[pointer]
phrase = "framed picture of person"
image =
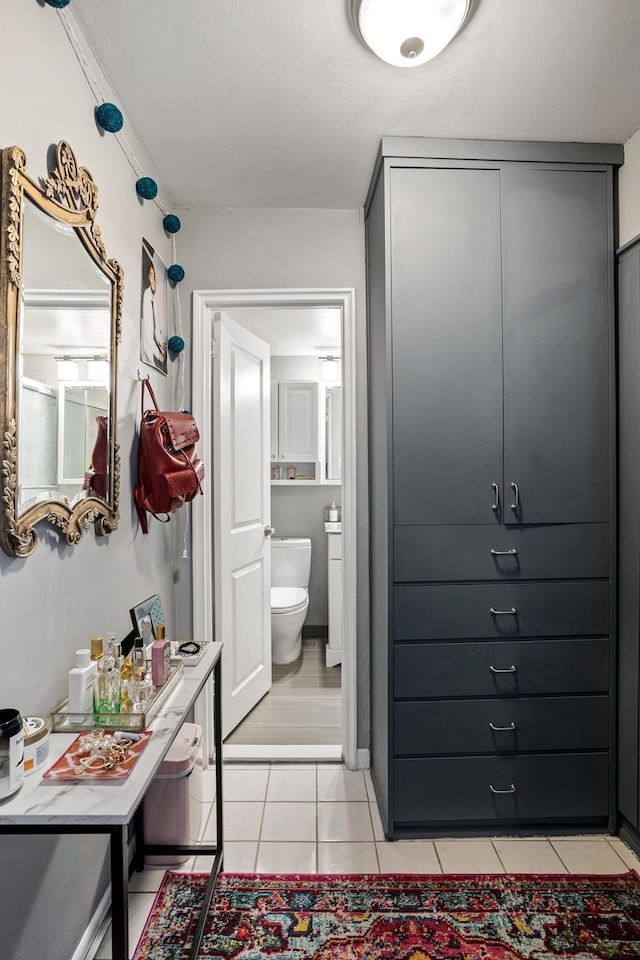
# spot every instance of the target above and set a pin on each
(154, 310)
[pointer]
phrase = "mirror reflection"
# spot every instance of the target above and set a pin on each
(63, 366)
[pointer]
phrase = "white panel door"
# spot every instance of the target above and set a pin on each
(242, 513)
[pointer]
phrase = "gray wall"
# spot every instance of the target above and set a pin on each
(266, 248)
(54, 601)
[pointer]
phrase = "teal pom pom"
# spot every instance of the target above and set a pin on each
(109, 117)
(171, 223)
(58, 3)
(175, 272)
(175, 344)
(146, 188)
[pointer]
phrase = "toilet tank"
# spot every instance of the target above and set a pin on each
(290, 561)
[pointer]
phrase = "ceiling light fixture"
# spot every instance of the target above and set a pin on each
(406, 33)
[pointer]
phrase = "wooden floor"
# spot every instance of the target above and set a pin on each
(303, 705)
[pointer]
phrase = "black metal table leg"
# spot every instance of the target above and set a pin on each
(138, 829)
(119, 894)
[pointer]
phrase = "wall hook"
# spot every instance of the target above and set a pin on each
(142, 377)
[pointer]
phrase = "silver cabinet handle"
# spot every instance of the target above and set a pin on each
(496, 496)
(516, 491)
(282, 456)
(269, 532)
(273, 456)
(504, 553)
(503, 613)
(510, 669)
(508, 729)
(512, 789)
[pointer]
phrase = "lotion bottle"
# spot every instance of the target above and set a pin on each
(81, 680)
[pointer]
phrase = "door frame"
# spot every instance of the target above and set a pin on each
(205, 302)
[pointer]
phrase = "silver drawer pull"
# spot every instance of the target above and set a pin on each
(510, 669)
(516, 499)
(504, 553)
(508, 729)
(512, 789)
(496, 496)
(503, 613)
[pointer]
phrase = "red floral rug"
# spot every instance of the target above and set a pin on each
(398, 917)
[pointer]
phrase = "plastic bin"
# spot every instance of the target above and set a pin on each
(172, 805)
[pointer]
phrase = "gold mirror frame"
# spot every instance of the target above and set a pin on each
(70, 196)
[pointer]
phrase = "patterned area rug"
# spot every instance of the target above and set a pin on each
(396, 917)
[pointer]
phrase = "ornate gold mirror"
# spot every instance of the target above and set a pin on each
(60, 325)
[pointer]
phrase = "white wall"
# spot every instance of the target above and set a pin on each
(52, 602)
(629, 191)
(257, 248)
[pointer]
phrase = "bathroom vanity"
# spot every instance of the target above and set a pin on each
(334, 578)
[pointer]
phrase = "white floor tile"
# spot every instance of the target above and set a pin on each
(347, 858)
(289, 857)
(208, 785)
(468, 856)
(529, 856)
(245, 784)
(241, 822)
(289, 822)
(378, 829)
(292, 784)
(408, 856)
(139, 906)
(239, 857)
(348, 821)
(626, 855)
(587, 856)
(338, 783)
(149, 880)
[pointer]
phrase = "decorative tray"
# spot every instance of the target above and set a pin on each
(64, 722)
(98, 755)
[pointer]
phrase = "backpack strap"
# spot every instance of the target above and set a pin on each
(147, 385)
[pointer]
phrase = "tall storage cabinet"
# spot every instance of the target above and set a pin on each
(491, 375)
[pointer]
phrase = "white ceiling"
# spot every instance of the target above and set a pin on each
(293, 331)
(277, 103)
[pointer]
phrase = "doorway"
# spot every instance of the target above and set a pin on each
(206, 303)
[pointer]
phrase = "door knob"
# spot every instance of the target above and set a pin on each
(269, 531)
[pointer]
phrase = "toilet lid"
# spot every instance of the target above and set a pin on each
(287, 598)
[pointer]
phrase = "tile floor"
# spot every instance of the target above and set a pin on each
(322, 818)
(303, 706)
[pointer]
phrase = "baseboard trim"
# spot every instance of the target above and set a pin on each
(289, 753)
(363, 760)
(96, 929)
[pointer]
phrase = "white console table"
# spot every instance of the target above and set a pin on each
(54, 806)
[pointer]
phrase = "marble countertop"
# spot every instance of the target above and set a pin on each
(334, 526)
(103, 803)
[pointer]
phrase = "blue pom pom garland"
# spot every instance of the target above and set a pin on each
(58, 3)
(175, 344)
(146, 188)
(109, 117)
(171, 223)
(175, 273)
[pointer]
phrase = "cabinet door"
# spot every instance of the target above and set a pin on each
(298, 420)
(447, 344)
(556, 345)
(273, 440)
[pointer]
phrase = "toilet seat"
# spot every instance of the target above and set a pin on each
(288, 599)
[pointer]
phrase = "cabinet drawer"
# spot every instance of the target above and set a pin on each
(460, 611)
(534, 725)
(568, 786)
(464, 669)
(463, 552)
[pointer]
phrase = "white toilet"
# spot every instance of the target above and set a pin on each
(290, 569)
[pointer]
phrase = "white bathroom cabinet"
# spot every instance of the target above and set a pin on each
(297, 437)
(334, 554)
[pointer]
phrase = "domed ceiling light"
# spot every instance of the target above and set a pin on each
(406, 33)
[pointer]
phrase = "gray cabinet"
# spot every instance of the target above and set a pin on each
(491, 470)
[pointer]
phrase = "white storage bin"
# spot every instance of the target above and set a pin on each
(172, 806)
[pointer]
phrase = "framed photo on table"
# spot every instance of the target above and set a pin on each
(150, 611)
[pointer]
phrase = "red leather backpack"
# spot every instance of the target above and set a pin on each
(169, 471)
